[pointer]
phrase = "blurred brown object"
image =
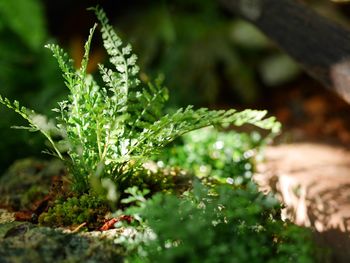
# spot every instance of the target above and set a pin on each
(317, 43)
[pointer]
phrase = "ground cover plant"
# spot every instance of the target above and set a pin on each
(218, 225)
(110, 134)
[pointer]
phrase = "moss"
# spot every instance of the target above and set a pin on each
(88, 208)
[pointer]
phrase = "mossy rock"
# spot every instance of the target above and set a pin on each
(27, 243)
(27, 181)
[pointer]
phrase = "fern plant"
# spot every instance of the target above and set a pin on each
(109, 130)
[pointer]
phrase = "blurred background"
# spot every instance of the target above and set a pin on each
(208, 57)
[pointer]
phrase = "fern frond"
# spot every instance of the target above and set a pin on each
(66, 65)
(15, 106)
(147, 105)
(120, 56)
(256, 118)
(85, 60)
(112, 81)
(170, 127)
(36, 122)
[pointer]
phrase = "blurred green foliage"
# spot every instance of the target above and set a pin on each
(208, 57)
(225, 157)
(27, 72)
(14, 15)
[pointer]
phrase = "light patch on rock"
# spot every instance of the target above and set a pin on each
(6, 216)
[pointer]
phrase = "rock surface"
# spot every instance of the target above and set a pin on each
(27, 181)
(25, 242)
(313, 181)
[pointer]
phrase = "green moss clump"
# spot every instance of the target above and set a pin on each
(87, 208)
